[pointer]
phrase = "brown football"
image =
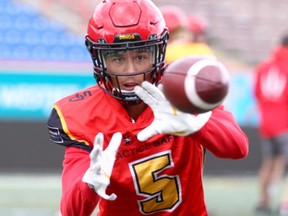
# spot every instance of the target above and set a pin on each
(196, 84)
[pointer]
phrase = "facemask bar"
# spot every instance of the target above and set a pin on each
(128, 58)
(102, 75)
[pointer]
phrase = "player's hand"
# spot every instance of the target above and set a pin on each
(101, 165)
(166, 118)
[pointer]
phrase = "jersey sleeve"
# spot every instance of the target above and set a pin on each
(256, 82)
(59, 136)
(223, 137)
(77, 198)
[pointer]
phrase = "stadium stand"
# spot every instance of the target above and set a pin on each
(244, 29)
(25, 34)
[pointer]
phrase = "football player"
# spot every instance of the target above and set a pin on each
(270, 91)
(187, 34)
(126, 149)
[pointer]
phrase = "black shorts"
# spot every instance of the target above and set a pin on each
(275, 146)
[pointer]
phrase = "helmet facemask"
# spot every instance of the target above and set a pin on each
(145, 57)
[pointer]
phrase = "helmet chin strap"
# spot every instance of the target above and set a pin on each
(125, 91)
(128, 97)
(117, 90)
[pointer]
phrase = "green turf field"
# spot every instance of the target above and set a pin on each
(31, 195)
(38, 195)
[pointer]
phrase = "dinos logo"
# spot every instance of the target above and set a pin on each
(127, 37)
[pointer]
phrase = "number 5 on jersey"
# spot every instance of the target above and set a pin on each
(162, 191)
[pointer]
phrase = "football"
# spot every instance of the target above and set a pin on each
(196, 84)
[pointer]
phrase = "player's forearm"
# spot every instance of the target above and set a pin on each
(77, 198)
(223, 137)
(80, 200)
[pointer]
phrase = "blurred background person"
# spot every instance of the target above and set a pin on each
(187, 34)
(175, 19)
(198, 26)
(271, 92)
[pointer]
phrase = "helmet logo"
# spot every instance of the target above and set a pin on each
(126, 37)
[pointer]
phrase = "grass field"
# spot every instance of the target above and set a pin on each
(38, 195)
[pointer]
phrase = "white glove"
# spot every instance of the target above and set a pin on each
(166, 118)
(101, 165)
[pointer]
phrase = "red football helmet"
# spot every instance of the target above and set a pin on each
(197, 24)
(174, 17)
(126, 26)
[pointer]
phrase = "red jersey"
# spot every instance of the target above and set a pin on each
(271, 90)
(161, 176)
